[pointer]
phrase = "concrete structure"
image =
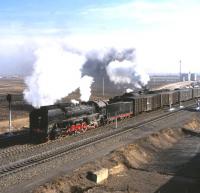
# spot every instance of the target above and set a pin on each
(98, 176)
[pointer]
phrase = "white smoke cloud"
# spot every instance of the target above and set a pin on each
(56, 74)
(143, 76)
(54, 67)
(128, 90)
(85, 87)
(122, 72)
(74, 101)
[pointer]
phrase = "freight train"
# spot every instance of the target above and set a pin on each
(50, 122)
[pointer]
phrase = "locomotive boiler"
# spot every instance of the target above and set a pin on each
(49, 122)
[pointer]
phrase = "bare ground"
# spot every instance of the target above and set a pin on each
(11, 85)
(17, 124)
(166, 161)
(163, 162)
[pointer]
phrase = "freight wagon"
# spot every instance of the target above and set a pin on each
(156, 101)
(185, 94)
(169, 98)
(143, 103)
(196, 92)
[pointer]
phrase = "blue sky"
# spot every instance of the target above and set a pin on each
(62, 16)
(162, 32)
(36, 16)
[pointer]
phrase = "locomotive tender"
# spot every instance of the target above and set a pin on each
(50, 122)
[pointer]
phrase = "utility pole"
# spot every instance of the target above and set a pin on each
(9, 99)
(116, 122)
(170, 105)
(180, 70)
(103, 86)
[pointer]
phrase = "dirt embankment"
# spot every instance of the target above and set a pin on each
(194, 125)
(120, 163)
(143, 151)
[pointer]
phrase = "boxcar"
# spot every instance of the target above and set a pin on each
(143, 103)
(196, 92)
(169, 98)
(156, 101)
(148, 102)
(185, 94)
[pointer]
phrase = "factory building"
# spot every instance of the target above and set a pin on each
(188, 76)
(159, 80)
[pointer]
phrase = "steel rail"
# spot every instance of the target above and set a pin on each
(66, 149)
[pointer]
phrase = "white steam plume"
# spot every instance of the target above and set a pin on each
(128, 90)
(120, 72)
(85, 87)
(56, 74)
(74, 101)
(118, 63)
(125, 71)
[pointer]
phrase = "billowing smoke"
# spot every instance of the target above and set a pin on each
(56, 73)
(118, 64)
(53, 69)
(122, 72)
(85, 87)
(74, 101)
(128, 90)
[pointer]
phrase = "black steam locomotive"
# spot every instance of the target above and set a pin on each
(50, 122)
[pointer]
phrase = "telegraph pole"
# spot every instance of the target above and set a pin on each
(103, 86)
(9, 99)
(116, 122)
(180, 70)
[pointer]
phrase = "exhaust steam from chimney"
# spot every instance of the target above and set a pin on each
(58, 71)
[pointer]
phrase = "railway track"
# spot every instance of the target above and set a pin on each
(15, 138)
(65, 149)
(14, 153)
(8, 153)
